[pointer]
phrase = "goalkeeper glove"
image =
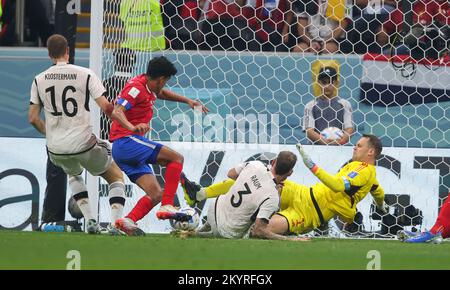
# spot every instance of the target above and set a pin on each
(306, 159)
(384, 208)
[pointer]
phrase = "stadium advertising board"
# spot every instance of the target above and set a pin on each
(415, 173)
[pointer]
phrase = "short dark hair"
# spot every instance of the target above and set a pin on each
(375, 143)
(160, 67)
(56, 46)
(285, 162)
(125, 59)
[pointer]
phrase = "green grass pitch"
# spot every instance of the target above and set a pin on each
(36, 250)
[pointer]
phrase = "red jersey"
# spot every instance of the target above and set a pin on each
(223, 9)
(266, 17)
(138, 101)
(425, 12)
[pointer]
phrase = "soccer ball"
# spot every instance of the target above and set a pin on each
(332, 133)
(190, 225)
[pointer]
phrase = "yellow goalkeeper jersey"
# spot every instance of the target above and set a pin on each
(359, 179)
(356, 179)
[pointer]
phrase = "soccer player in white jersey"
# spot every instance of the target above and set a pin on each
(63, 91)
(249, 204)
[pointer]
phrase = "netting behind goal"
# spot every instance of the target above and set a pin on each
(257, 77)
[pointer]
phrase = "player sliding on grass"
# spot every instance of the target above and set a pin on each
(304, 208)
(63, 91)
(440, 230)
(133, 152)
(252, 200)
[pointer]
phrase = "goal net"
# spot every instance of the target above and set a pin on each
(261, 67)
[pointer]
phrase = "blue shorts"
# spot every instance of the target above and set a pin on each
(133, 154)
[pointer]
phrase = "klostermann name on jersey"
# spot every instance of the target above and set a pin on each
(64, 90)
(138, 101)
(253, 195)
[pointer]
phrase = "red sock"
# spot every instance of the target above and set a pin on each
(142, 207)
(172, 178)
(443, 221)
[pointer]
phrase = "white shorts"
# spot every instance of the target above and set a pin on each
(216, 229)
(96, 160)
(212, 218)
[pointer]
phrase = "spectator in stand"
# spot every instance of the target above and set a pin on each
(180, 19)
(302, 10)
(272, 24)
(322, 32)
(328, 110)
(226, 26)
(427, 16)
(368, 15)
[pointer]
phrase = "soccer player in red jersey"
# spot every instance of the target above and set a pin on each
(440, 230)
(133, 152)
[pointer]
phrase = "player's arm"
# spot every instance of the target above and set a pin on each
(118, 114)
(377, 193)
(105, 105)
(98, 91)
(261, 231)
(34, 110)
(34, 117)
(334, 183)
(168, 95)
(234, 172)
(345, 184)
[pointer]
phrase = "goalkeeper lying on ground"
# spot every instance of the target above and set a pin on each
(304, 208)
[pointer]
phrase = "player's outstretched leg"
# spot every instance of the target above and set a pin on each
(174, 165)
(426, 237)
(114, 177)
(129, 227)
(194, 193)
(442, 224)
(149, 184)
(440, 230)
(190, 189)
(80, 195)
(404, 235)
(94, 228)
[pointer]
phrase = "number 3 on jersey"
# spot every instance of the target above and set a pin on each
(240, 193)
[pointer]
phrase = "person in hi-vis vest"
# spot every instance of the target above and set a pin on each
(143, 25)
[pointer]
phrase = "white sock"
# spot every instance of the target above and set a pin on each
(80, 194)
(85, 208)
(116, 200)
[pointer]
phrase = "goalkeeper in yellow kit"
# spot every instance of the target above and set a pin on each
(304, 208)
